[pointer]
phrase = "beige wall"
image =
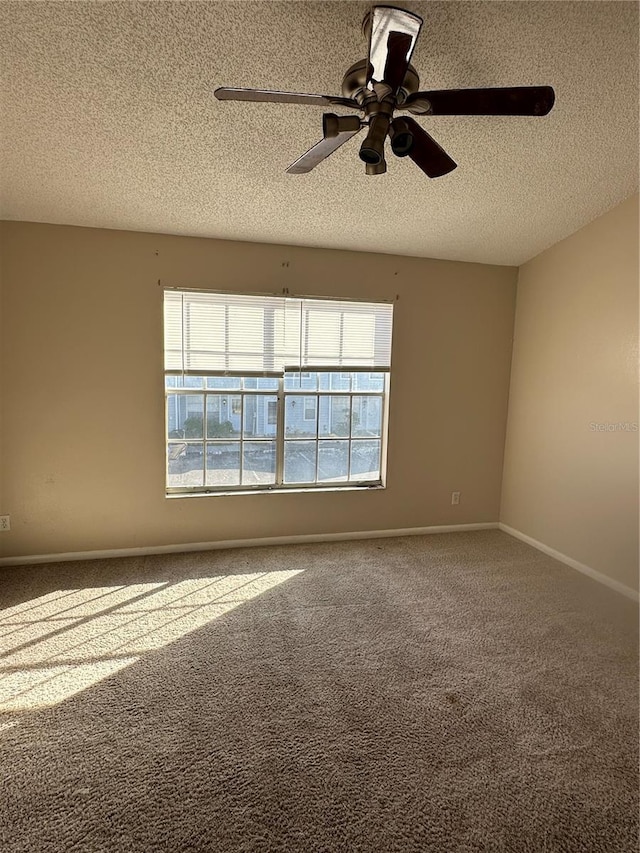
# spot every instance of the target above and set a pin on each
(575, 363)
(82, 464)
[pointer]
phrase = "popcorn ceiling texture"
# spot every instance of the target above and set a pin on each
(456, 693)
(108, 120)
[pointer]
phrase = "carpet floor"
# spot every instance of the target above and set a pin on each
(454, 693)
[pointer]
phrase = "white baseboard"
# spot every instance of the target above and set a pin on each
(569, 561)
(243, 543)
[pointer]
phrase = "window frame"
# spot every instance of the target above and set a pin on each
(364, 350)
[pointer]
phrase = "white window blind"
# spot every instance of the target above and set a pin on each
(220, 332)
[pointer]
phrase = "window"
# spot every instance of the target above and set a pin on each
(266, 392)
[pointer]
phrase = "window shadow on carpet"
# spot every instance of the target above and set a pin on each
(55, 646)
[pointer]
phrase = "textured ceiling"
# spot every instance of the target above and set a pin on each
(108, 120)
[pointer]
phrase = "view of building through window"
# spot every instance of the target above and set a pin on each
(223, 431)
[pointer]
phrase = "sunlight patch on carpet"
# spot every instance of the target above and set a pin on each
(58, 645)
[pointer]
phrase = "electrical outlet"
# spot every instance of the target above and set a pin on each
(455, 498)
(5, 523)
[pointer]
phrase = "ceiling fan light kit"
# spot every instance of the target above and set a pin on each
(386, 82)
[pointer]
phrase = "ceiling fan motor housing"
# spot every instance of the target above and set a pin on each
(354, 83)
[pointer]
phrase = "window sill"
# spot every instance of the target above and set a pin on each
(292, 491)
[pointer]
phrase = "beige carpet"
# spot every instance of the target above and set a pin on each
(449, 693)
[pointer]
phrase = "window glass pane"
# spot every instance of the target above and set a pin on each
(185, 415)
(300, 381)
(368, 382)
(258, 462)
(333, 461)
(223, 415)
(365, 460)
(184, 381)
(341, 381)
(231, 383)
(184, 464)
(299, 461)
(192, 381)
(294, 418)
(310, 408)
(223, 464)
(260, 415)
(333, 418)
(173, 417)
(334, 381)
(366, 416)
(261, 383)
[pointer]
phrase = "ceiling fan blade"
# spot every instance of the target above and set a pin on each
(409, 139)
(512, 101)
(273, 97)
(393, 37)
(336, 131)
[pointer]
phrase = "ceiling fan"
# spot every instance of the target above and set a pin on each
(386, 82)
